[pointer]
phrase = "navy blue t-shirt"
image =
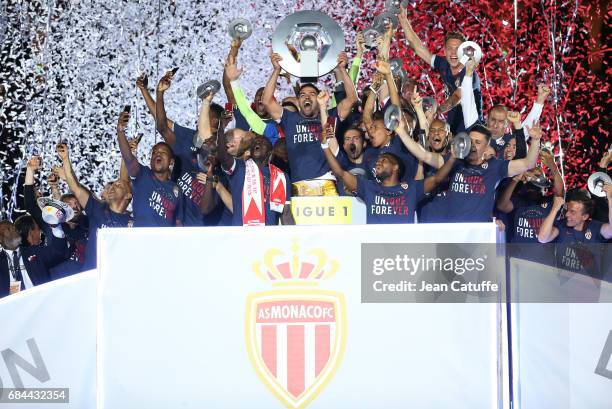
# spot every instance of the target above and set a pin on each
(237, 177)
(432, 209)
(580, 251)
(156, 203)
(390, 204)
(471, 193)
(191, 189)
(101, 217)
(303, 136)
(451, 83)
(347, 165)
(527, 219)
(396, 147)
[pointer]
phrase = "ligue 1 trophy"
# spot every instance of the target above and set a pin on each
(548, 146)
(240, 28)
(53, 211)
(540, 181)
(596, 183)
(316, 39)
(467, 50)
(397, 69)
(461, 145)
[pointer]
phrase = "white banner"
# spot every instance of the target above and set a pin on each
(213, 318)
(48, 340)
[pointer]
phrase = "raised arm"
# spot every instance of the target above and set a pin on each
(504, 201)
(413, 40)
(76, 188)
(384, 69)
(223, 157)
(232, 72)
(349, 180)
(549, 161)
(468, 102)
(232, 58)
(538, 106)
(142, 83)
(323, 100)
(356, 63)
(417, 103)
(514, 117)
(161, 121)
(267, 98)
(131, 163)
(345, 107)
(29, 196)
(433, 159)
(368, 109)
(123, 172)
(440, 176)
(517, 166)
(548, 232)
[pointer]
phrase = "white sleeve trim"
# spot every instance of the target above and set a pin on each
(433, 59)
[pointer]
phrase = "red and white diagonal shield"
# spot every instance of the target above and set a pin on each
(295, 341)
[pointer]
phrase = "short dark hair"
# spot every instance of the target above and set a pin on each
(400, 164)
(482, 130)
(67, 196)
(357, 129)
(24, 225)
(167, 145)
(454, 35)
(216, 109)
(584, 197)
(307, 84)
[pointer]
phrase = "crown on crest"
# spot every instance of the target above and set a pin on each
(295, 268)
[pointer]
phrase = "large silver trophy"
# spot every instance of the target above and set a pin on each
(596, 183)
(467, 50)
(240, 28)
(317, 40)
(461, 144)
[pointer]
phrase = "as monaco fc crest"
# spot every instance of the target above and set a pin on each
(296, 332)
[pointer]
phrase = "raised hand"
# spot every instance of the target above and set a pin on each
(547, 159)
(342, 61)
(232, 71)
(323, 98)
(535, 131)
(543, 92)
(275, 58)
(383, 67)
(558, 203)
(142, 82)
(328, 133)
(416, 101)
(34, 163)
(201, 177)
(470, 66)
(59, 172)
(608, 189)
(62, 151)
(605, 160)
(124, 118)
(360, 44)
(165, 82)
(515, 118)
(134, 143)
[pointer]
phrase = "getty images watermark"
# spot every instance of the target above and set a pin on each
(442, 273)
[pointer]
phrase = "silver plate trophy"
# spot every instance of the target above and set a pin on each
(461, 145)
(541, 182)
(317, 38)
(393, 6)
(467, 50)
(204, 90)
(596, 183)
(397, 69)
(393, 116)
(385, 18)
(240, 28)
(370, 35)
(429, 104)
(54, 211)
(548, 146)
